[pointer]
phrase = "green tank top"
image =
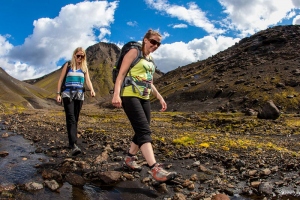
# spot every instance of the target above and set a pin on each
(143, 73)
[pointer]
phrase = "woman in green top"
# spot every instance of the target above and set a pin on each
(135, 100)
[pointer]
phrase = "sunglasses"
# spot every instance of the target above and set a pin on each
(79, 56)
(154, 42)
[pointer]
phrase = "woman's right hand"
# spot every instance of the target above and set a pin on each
(116, 101)
(58, 98)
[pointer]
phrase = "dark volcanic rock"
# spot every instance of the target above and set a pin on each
(258, 67)
(75, 179)
(269, 111)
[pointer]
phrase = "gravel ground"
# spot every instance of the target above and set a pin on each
(213, 153)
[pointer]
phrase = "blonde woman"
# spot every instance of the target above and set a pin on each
(72, 96)
(136, 104)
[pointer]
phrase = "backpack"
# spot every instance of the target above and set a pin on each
(63, 84)
(124, 50)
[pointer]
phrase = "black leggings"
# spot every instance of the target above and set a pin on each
(138, 113)
(72, 110)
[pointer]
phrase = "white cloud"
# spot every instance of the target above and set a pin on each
(5, 46)
(296, 20)
(180, 26)
(170, 56)
(103, 33)
(55, 39)
(193, 15)
(165, 35)
(16, 70)
(296, 3)
(20, 70)
(134, 23)
(249, 17)
(290, 15)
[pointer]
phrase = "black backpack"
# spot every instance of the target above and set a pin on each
(124, 50)
(63, 84)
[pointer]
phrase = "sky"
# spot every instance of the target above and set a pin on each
(38, 36)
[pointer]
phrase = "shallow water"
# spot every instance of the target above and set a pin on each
(18, 168)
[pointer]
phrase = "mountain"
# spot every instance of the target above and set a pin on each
(262, 67)
(259, 68)
(19, 95)
(101, 58)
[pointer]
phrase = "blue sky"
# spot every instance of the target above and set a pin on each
(37, 36)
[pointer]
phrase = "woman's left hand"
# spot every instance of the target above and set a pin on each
(163, 105)
(93, 93)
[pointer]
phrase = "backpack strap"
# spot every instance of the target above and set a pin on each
(137, 59)
(63, 87)
(134, 62)
(129, 80)
(140, 55)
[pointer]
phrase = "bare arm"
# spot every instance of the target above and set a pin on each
(127, 60)
(159, 97)
(60, 80)
(89, 83)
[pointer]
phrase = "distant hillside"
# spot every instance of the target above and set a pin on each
(259, 68)
(47, 82)
(19, 95)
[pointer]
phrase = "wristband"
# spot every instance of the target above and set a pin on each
(57, 92)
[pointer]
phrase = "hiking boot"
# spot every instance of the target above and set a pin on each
(76, 150)
(161, 175)
(130, 163)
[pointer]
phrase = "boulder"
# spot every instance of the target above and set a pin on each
(269, 111)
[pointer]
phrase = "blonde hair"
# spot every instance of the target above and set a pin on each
(83, 63)
(148, 35)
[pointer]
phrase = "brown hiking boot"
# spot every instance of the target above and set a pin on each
(130, 162)
(161, 175)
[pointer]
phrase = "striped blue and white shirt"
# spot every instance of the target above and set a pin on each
(74, 84)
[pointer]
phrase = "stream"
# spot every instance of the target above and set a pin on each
(18, 168)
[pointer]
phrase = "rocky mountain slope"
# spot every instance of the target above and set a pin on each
(259, 68)
(18, 95)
